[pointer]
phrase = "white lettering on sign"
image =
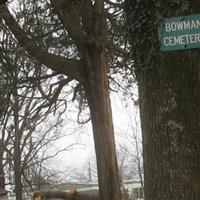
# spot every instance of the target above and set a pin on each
(180, 32)
(182, 39)
(182, 25)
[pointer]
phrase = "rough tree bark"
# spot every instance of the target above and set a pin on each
(170, 115)
(169, 90)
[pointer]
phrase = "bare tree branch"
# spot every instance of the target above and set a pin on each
(69, 67)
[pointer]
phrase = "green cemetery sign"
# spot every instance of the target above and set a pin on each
(178, 33)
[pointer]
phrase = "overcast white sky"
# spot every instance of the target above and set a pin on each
(124, 116)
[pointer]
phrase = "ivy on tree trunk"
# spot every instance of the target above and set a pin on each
(169, 93)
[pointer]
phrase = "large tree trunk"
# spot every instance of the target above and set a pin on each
(170, 115)
(169, 93)
(97, 92)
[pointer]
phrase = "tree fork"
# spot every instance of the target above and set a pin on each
(93, 75)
